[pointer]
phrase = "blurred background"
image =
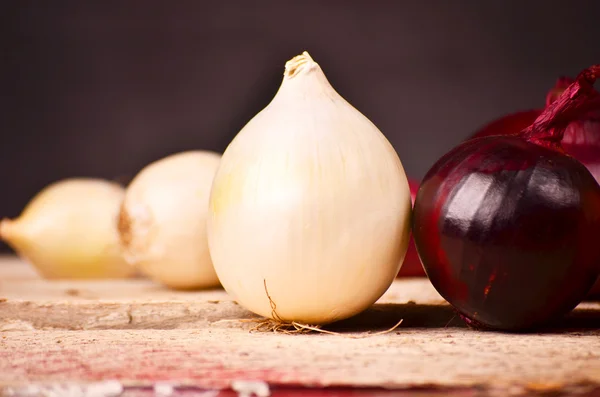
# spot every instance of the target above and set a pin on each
(103, 88)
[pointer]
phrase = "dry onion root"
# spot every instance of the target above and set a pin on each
(68, 230)
(162, 223)
(276, 324)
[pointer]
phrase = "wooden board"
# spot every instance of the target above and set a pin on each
(138, 335)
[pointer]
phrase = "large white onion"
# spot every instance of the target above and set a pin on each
(163, 220)
(312, 199)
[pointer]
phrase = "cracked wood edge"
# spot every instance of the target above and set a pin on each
(26, 315)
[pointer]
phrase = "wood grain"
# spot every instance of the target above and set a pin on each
(139, 334)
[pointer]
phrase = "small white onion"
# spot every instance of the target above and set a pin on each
(69, 230)
(311, 199)
(163, 220)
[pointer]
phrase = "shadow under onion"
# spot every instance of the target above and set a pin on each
(385, 315)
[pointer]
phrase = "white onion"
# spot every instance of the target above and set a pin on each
(163, 220)
(68, 230)
(311, 199)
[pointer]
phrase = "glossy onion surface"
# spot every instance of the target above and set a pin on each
(581, 138)
(507, 231)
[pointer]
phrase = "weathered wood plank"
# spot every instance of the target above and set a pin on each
(140, 334)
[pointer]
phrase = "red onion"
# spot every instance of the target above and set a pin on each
(581, 138)
(507, 125)
(506, 226)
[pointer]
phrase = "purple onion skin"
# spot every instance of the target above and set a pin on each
(581, 140)
(507, 232)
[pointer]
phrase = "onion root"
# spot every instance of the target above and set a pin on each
(277, 324)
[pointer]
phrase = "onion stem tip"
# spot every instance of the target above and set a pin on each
(298, 63)
(6, 225)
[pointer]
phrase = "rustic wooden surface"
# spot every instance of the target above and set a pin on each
(138, 335)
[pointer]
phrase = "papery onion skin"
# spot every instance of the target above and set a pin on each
(310, 208)
(581, 138)
(68, 231)
(506, 226)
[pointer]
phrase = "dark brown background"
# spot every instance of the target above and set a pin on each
(102, 88)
